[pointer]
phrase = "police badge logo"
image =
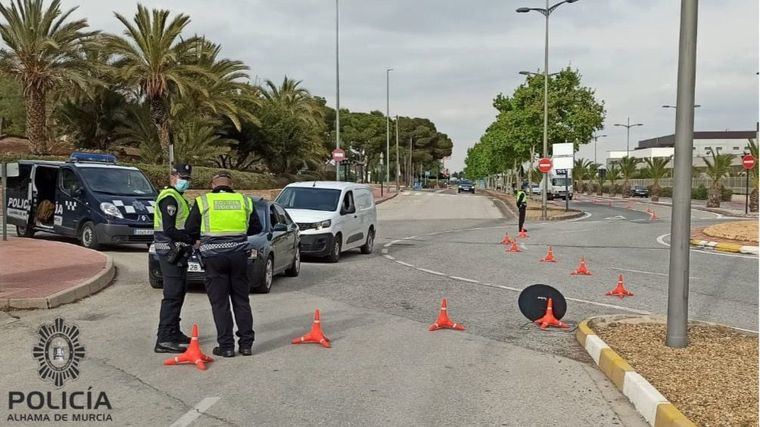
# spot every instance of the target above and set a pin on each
(171, 210)
(58, 352)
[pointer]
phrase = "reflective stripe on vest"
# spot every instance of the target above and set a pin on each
(182, 213)
(224, 214)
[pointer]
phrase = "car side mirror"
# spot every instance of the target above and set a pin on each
(280, 227)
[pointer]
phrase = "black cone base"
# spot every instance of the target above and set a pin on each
(532, 302)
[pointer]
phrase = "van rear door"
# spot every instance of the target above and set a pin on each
(18, 201)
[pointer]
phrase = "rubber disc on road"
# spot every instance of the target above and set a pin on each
(532, 302)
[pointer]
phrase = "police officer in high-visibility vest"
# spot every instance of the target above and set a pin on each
(522, 206)
(223, 219)
(171, 243)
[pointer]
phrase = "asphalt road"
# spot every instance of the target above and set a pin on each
(385, 368)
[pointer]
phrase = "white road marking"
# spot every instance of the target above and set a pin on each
(384, 251)
(389, 257)
(464, 279)
(646, 272)
(437, 273)
(405, 264)
(585, 215)
(661, 240)
(193, 414)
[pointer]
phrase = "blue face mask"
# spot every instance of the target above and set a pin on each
(182, 185)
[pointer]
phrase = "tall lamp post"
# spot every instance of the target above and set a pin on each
(596, 138)
(388, 122)
(627, 125)
(546, 12)
(337, 86)
(398, 165)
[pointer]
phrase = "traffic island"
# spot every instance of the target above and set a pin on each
(711, 382)
(533, 213)
(45, 274)
(735, 236)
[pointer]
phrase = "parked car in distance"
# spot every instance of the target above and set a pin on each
(333, 216)
(639, 191)
(274, 251)
(466, 186)
(535, 189)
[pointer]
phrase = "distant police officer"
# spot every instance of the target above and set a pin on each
(223, 219)
(522, 205)
(171, 242)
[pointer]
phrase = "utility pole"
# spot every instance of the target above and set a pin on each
(398, 165)
(337, 86)
(409, 170)
(680, 224)
(388, 122)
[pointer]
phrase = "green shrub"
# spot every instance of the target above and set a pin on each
(606, 189)
(159, 176)
(666, 192)
(725, 194)
(699, 193)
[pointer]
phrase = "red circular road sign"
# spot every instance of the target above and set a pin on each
(545, 165)
(338, 155)
(748, 161)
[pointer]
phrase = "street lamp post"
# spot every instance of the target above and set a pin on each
(388, 122)
(627, 125)
(546, 12)
(337, 86)
(398, 165)
(596, 137)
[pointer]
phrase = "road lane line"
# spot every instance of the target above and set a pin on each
(193, 414)
(384, 251)
(405, 264)
(389, 257)
(647, 272)
(464, 279)
(425, 270)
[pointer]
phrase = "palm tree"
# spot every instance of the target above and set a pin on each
(719, 167)
(150, 58)
(592, 170)
(580, 173)
(44, 52)
(753, 202)
(613, 174)
(657, 168)
(628, 166)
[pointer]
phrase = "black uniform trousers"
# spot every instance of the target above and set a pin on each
(175, 288)
(227, 279)
(521, 210)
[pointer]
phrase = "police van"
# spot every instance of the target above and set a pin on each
(89, 197)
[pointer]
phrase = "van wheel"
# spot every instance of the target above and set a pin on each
(334, 255)
(369, 245)
(88, 237)
(24, 231)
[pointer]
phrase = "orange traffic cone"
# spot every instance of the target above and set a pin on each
(652, 215)
(522, 234)
(315, 335)
(193, 354)
(506, 240)
(514, 247)
(620, 290)
(549, 256)
(443, 321)
(582, 269)
(549, 319)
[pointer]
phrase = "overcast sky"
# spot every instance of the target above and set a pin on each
(451, 57)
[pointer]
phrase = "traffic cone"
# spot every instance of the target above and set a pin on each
(549, 256)
(506, 240)
(620, 290)
(443, 321)
(523, 234)
(652, 215)
(582, 269)
(315, 335)
(193, 354)
(549, 320)
(514, 247)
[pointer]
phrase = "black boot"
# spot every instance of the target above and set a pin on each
(169, 347)
(224, 353)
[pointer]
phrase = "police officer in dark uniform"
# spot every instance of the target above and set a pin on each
(522, 206)
(222, 220)
(172, 245)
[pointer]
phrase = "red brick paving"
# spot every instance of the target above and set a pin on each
(31, 268)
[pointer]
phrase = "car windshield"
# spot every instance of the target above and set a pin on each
(465, 182)
(318, 199)
(261, 209)
(560, 182)
(117, 181)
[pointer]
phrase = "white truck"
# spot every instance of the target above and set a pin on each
(560, 185)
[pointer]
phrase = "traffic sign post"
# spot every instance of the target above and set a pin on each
(748, 162)
(338, 155)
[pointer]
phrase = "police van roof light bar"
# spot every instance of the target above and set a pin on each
(92, 157)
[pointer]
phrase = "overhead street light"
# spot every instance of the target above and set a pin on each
(628, 125)
(529, 73)
(546, 12)
(388, 122)
(596, 137)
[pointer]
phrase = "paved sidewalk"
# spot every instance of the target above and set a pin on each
(45, 274)
(734, 209)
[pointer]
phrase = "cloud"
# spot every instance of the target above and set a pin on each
(451, 57)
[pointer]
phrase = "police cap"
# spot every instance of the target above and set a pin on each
(222, 174)
(184, 170)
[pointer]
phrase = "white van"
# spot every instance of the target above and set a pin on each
(333, 216)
